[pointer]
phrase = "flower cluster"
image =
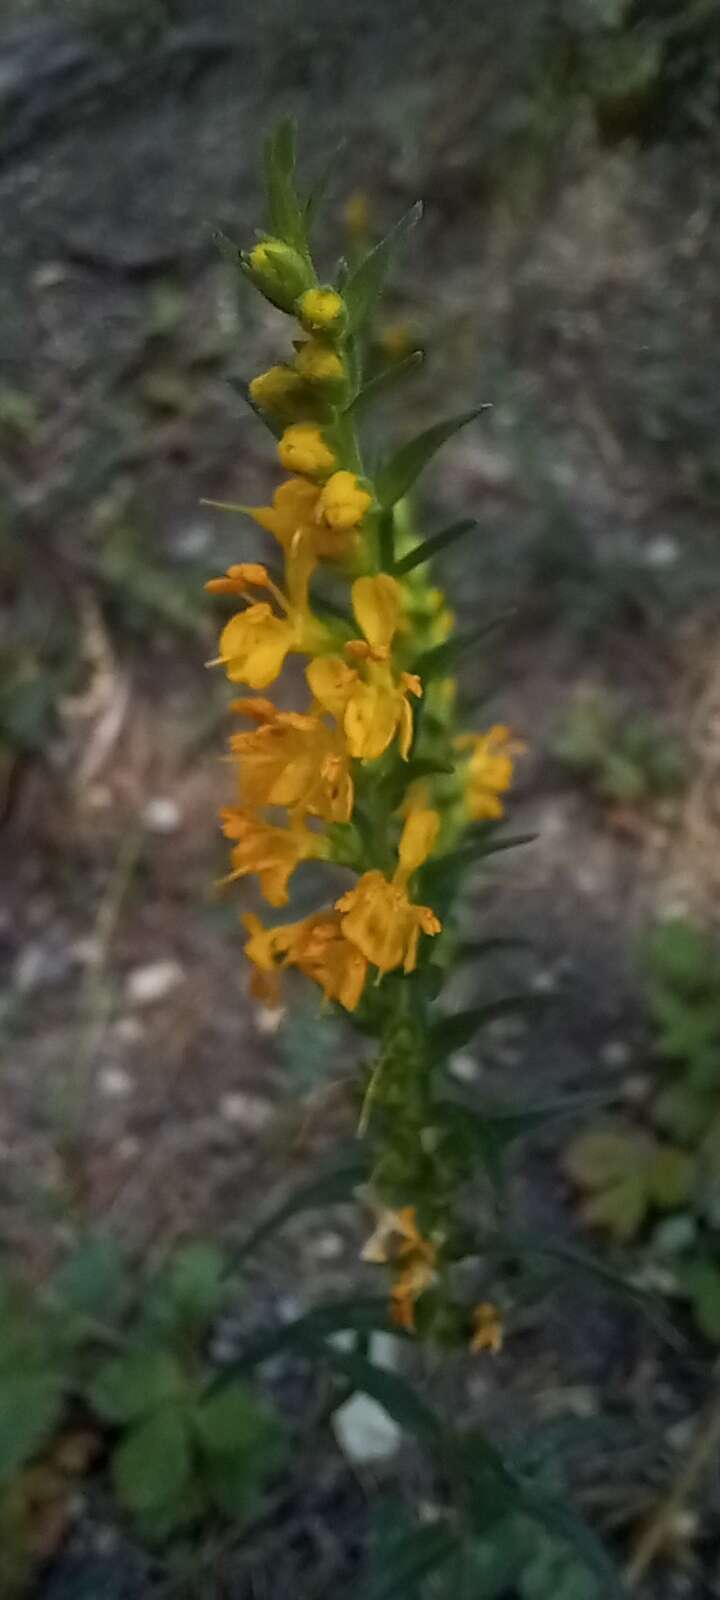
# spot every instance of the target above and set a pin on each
(369, 772)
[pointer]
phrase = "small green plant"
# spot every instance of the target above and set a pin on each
(629, 1173)
(185, 1445)
(624, 760)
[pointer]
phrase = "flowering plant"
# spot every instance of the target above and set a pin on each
(371, 772)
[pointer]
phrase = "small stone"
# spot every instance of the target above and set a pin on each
(328, 1246)
(662, 551)
(115, 1083)
(98, 797)
(162, 815)
(250, 1111)
(543, 982)
(127, 1149)
(269, 1018)
(39, 965)
(464, 1067)
(616, 1053)
(636, 1088)
(364, 1431)
(129, 1030)
(146, 985)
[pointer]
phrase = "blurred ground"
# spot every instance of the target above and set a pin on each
(567, 271)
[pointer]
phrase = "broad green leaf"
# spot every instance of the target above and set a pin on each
(398, 475)
(235, 1421)
(432, 546)
(559, 1517)
(133, 1385)
(287, 219)
(683, 956)
(92, 1281)
(385, 380)
(701, 1282)
(152, 1467)
(31, 1405)
(670, 1176)
(364, 285)
(411, 1559)
(198, 1281)
(330, 1188)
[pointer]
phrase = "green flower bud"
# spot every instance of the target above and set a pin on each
(279, 271)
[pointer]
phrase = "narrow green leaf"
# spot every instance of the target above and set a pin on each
(152, 1465)
(477, 949)
(319, 189)
(581, 1261)
(386, 540)
(443, 658)
(453, 1032)
(229, 251)
(330, 1188)
(287, 219)
(400, 472)
(361, 1313)
(432, 546)
(410, 1560)
(365, 284)
(390, 1390)
(385, 380)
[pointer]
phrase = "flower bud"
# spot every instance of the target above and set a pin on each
(322, 311)
(303, 449)
(279, 271)
(319, 364)
(343, 502)
(280, 391)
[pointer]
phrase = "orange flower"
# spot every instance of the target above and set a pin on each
(316, 947)
(398, 1239)
(487, 1328)
(489, 770)
(379, 917)
(255, 642)
(272, 852)
(293, 760)
(370, 701)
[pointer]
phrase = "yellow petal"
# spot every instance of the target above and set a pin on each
(331, 681)
(376, 603)
(253, 646)
(418, 837)
(370, 721)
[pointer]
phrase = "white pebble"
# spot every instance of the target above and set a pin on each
(115, 1083)
(249, 1110)
(162, 815)
(364, 1431)
(145, 985)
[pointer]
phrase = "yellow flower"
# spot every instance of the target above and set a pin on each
(372, 703)
(489, 771)
(303, 449)
(293, 760)
(342, 503)
(321, 310)
(379, 917)
(487, 1328)
(296, 518)
(261, 949)
(317, 362)
(254, 643)
(279, 390)
(272, 852)
(316, 947)
(398, 1239)
(322, 952)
